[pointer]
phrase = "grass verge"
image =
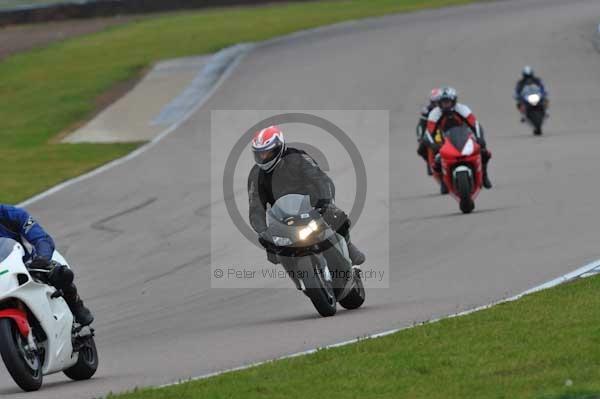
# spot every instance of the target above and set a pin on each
(45, 91)
(544, 346)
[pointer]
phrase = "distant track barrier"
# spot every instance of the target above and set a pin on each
(78, 9)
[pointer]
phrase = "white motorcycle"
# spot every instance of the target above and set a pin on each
(38, 335)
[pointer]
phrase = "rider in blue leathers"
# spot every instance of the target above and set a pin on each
(528, 77)
(17, 224)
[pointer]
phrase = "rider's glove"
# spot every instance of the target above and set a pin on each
(60, 276)
(266, 240)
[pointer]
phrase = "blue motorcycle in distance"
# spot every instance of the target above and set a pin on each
(533, 104)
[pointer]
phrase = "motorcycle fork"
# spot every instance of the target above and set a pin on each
(31, 344)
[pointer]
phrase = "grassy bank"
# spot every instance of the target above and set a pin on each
(46, 91)
(544, 346)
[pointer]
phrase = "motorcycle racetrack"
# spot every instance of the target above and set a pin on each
(139, 234)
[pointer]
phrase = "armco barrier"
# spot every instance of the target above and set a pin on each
(103, 8)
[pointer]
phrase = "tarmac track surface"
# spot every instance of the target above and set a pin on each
(139, 234)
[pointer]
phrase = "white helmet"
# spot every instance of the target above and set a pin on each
(527, 71)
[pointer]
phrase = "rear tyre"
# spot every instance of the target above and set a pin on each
(463, 185)
(356, 297)
(87, 363)
(443, 188)
(24, 366)
(320, 292)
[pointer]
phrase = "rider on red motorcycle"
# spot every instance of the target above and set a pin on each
(422, 126)
(450, 113)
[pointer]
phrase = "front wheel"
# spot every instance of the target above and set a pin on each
(23, 364)
(536, 117)
(463, 186)
(356, 297)
(87, 362)
(320, 291)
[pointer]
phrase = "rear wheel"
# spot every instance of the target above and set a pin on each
(463, 186)
(87, 362)
(320, 291)
(443, 187)
(356, 297)
(23, 364)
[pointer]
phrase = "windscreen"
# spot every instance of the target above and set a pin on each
(458, 136)
(291, 205)
(531, 89)
(6, 247)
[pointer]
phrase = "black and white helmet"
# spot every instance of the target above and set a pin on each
(448, 99)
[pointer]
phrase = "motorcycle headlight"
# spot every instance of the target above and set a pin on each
(308, 230)
(281, 241)
(468, 148)
(533, 99)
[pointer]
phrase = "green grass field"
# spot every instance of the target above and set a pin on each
(544, 346)
(47, 91)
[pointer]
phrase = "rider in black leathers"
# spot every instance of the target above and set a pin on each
(281, 170)
(422, 125)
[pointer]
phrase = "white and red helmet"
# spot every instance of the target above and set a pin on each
(435, 94)
(268, 145)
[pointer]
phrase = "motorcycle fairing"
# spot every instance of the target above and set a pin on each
(53, 314)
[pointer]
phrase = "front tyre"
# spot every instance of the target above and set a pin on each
(463, 186)
(356, 297)
(87, 362)
(24, 365)
(320, 291)
(536, 117)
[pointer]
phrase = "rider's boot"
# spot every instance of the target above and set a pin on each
(82, 314)
(486, 178)
(356, 256)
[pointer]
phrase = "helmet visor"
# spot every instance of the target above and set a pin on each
(446, 104)
(264, 157)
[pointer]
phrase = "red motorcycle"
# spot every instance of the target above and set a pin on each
(461, 166)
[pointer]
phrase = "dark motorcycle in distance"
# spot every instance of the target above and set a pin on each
(461, 166)
(313, 255)
(533, 103)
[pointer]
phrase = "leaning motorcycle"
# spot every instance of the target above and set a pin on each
(313, 255)
(38, 335)
(461, 166)
(533, 107)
